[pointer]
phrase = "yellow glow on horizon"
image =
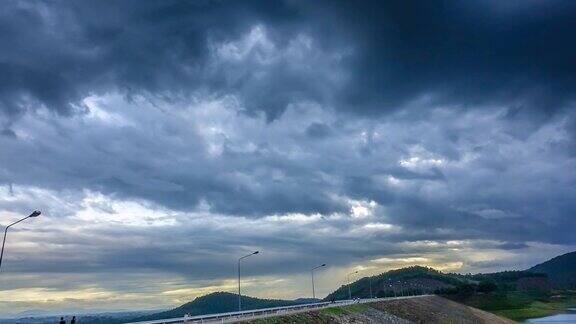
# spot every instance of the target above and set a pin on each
(402, 262)
(37, 294)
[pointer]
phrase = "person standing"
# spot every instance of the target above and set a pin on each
(73, 321)
(62, 321)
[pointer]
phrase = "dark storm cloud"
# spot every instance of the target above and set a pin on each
(465, 53)
(462, 53)
(57, 53)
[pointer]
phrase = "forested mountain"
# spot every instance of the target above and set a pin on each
(411, 280)
(561, 270)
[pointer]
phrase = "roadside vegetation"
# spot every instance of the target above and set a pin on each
(520, 305)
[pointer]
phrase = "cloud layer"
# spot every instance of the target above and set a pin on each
(163, 140)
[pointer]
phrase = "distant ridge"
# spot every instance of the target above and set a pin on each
(561, 270)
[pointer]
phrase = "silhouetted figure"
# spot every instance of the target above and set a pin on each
(62, 321)
(73, 321)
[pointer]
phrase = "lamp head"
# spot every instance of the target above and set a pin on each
(323, 265)
(35, 213)
(256, 252)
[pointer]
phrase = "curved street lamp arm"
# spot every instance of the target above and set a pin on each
(247, 255)
(16, 222)
(34, 214)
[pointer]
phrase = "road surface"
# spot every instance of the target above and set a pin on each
(234, 317)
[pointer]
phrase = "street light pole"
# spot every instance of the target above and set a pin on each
(239, 293)
(349, 284)
(312, 272)
(370, 287)
(403, 287)
(35, 213)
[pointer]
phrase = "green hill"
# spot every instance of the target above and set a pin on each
(561, 270)
(411, 280)
(218, 302)
(418, 280)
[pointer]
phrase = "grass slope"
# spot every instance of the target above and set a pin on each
(432, 309)
(520, 306)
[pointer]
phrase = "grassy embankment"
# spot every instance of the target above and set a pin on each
(519, 306)
(351, 309)
(431, 309)
(321, 316)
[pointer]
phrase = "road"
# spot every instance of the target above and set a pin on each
(234, 317)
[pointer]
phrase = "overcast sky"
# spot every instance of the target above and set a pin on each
(164, 139)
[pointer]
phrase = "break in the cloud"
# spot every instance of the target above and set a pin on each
(162, 140)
